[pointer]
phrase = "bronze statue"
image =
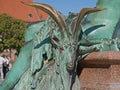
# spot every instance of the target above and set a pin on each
(48, 60)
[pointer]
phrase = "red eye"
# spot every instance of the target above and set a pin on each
(61, 49)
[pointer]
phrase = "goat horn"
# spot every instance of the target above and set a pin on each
(82, 13)
(52, 12)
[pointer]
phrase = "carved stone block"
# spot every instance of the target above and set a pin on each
(100, 71)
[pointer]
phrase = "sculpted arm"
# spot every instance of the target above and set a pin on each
(19, 67)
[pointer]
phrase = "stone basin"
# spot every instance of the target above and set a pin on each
(100, 71)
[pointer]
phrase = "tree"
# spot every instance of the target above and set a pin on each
(11, 32)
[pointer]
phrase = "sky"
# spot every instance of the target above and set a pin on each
(66, 6)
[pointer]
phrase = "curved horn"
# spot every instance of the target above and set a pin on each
(53, 13)
(82, 13)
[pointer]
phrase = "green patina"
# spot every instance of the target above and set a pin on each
(49, 58)
(107, 22)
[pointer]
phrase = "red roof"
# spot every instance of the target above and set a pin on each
(18, 10)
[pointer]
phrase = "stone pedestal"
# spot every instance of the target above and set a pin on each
(100, 71)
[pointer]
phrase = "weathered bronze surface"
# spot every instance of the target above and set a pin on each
(48, 60)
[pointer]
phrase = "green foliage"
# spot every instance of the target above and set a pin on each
(11, 32)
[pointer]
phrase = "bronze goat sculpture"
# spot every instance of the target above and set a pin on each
(54, 46)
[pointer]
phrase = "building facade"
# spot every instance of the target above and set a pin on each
(18, 10)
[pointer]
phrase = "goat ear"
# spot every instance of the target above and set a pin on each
(54, 41)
